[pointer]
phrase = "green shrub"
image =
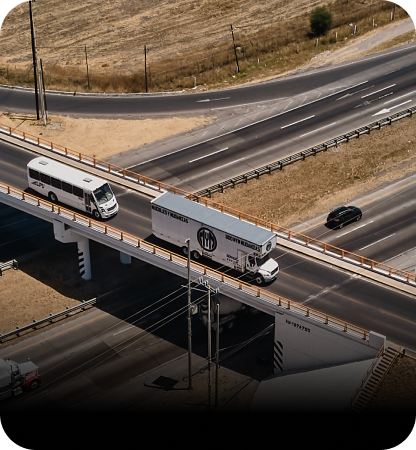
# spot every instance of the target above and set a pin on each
(321, 20)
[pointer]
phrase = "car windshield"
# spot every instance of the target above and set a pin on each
(103, 194)
(261, 261)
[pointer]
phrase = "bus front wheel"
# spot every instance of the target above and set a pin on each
(52, 197)
(96, 214)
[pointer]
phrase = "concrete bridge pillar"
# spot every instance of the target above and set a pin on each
(125, 259)
(64, 233)
(84, 258)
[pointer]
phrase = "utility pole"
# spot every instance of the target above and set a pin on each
(188, 241)
(32, 29)
(235, 50)
(217, 354)
(44, 91)
(209, 346)
(86, 62)
(394, 10)
(41, 98)
(145, 69)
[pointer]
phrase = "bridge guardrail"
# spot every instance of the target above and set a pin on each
(8, 265)
(200, 197)
(51, 317)
(300, 156)
(91, 161)
(199, 269)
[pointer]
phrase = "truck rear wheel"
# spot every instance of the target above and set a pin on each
(185, 251)
(195, 255)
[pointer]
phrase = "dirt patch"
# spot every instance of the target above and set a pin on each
(102, 138)
(329, 179)
(50, 282)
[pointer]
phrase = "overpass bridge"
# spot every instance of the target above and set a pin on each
(335, 341)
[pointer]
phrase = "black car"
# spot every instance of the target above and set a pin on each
(343, 215)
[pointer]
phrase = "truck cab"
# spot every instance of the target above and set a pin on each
(14, 377)
(261, 269)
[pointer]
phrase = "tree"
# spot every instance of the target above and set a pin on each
(321, 20)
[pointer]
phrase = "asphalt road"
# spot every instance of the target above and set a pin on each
(329, 290)
(287, 132)
(16, 100)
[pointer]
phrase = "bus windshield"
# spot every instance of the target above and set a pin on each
(103, 194)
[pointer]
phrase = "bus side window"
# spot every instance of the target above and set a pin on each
(45, 178)
(34, 174)
(56, 183)
(66, 187)
(78, 192)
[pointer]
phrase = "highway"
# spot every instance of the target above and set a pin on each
(322, 287)
(300, 279)
(278, 137)
(168, 103)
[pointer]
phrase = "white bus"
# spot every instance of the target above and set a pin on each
(71, 186)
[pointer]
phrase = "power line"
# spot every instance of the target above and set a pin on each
(171, 317)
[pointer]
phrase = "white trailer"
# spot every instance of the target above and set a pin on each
(218, 236)
(71, 186)
(14, 377)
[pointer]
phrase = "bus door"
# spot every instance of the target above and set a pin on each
(87, 198)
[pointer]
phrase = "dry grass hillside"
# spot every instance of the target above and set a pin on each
(116, 31)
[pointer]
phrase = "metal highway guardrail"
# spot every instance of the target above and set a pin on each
(139, 245)
(303, 154)
(51, 317)
(8, 265)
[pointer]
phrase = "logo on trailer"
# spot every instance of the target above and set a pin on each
(206, 239)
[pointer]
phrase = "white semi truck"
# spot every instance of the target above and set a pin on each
(218, 236)
(14, 377)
